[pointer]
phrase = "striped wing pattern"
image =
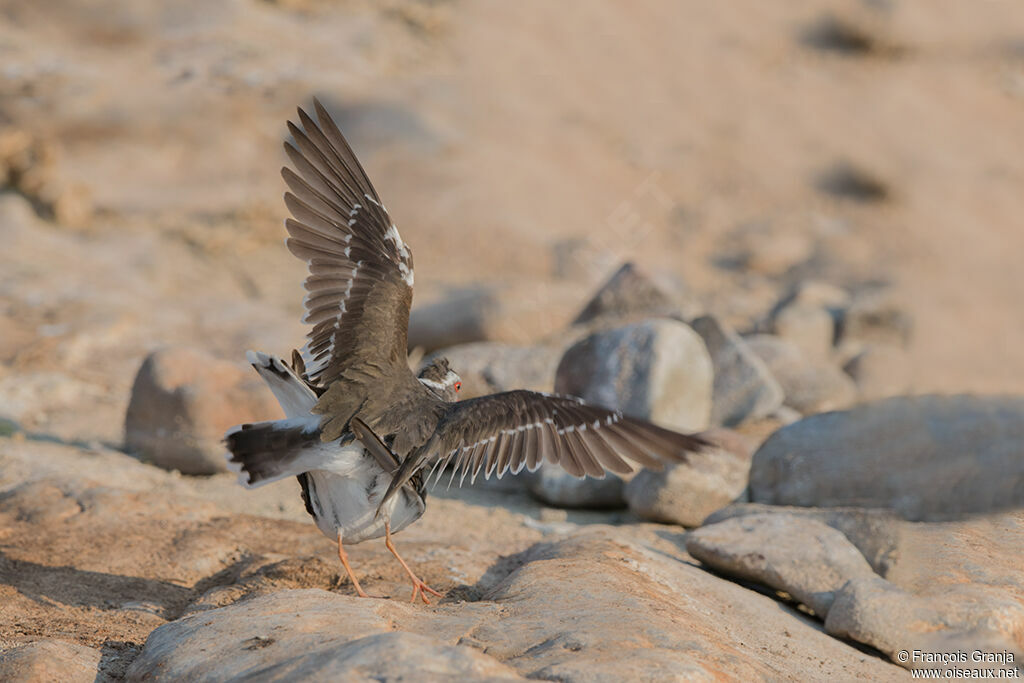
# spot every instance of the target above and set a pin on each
(360, 271)
(507, 432)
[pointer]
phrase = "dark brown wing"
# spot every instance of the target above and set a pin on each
(360, 271)
(521, 429)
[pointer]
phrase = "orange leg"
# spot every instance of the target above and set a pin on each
(351, 575)
(417, 583)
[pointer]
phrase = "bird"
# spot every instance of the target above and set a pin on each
(364, 434)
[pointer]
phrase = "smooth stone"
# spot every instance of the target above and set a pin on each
(51, 660)
(962, 619)
(805, 558)
(181, 403)
(880, 371)
(876, 533)
(688, 492)
(744, 389)
(657, 370)
(808, 327)
(926, 458)
(630, 292)
(554, 486)
(811, 385)
(307, 634)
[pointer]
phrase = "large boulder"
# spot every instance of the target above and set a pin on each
(927, 457)
(803, 557)
(182, 402)
(658, 370)
(599, 604)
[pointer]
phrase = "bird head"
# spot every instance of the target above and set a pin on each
(440, 379)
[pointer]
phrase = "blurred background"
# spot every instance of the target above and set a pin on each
(837, 181)
(742, 150)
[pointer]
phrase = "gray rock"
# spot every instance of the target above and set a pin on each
(878, 316)
(744, 389)
(302, 635)
(520, 311)
(51, 660)
(880, 371)
(811, 385)
(181, 403)
(462, 317)
(629, 293)
(803, 557)
(687, 493)
(554, 486)
(492, 367)
(657, 370)
(877, 534)
(928, 457)
(963, 619)
(808, 327)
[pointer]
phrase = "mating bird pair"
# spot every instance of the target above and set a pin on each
(363, 434)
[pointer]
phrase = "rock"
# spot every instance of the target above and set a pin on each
(743, 388)
(928, 457)
(492, 367)
(877, 534)
(460, 318)
(554, 486)
(877, 315)
(657, 370)
(880, 371)
(962, 619)
(50, 660)
(808, 327)
(183, 400)
(630, 293)
(687, 493)
(803, 557)
(619, 618)
(303, 635)
(810, 385)
(519, 312)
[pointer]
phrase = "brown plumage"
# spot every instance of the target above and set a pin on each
(360, 423)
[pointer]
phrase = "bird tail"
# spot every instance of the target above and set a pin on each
(262, 452)
(295, 396)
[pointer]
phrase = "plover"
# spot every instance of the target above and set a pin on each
(362, 433)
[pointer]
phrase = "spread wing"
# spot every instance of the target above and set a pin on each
(509, 431)
(360, 271)
(360, 274)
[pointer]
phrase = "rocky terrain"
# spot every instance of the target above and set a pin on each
(794, 227)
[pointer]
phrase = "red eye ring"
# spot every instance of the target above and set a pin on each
(458, 386)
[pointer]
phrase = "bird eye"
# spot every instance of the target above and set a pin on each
(458, 386)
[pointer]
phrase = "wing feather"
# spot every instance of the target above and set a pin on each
(583, 439)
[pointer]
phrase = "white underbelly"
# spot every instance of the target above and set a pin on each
(348, 503)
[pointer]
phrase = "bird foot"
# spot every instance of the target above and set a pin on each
(420, 588)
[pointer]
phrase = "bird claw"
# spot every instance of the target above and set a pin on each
(420, 588)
